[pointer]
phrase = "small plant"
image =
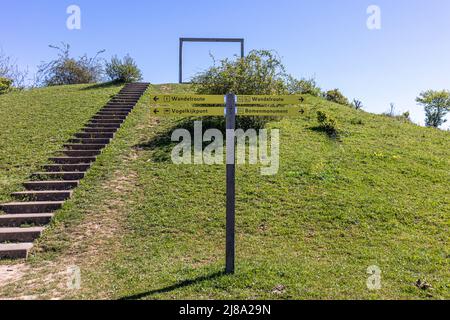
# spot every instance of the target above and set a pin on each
(337, 97)
(357, 104)
(406, 115)
(327, 123)
(357, 121)
(65, 70)
(5, 85)
(303, 86)
(125, 70)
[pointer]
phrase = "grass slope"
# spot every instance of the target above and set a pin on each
(36, 123)
(140, 227)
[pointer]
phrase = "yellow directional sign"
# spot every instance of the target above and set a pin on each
(270, 111)
(190, 111)
(187, 99)
(264, 99)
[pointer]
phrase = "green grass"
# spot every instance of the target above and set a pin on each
(35, 123)
(378, 195)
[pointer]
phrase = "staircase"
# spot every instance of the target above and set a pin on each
(47, 191)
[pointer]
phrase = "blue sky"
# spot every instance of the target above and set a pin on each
(327, 39)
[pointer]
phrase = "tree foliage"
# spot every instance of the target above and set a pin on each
(65, 70)
(337, 97)
(260, 72)
(10, 71)
(303, 86)
(125, 70)
(436, 104)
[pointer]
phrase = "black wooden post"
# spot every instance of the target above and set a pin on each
(231, 199)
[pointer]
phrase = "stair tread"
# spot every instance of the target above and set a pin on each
(32, 203)
(41, 192)
(67, 164)
(21, 230)
(58, 173)
(53, 182)
(26, 215)
(15, 246)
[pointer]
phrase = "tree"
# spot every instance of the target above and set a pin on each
(303, 86)
(66, 70)
(436, 104)
(357, 104)
(10, 73)
(337, 97)
(260, 72)
(125, 70)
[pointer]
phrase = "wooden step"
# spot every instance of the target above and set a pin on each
(66, 160)
(89, 141)
(83, 167)
(81, 153)
(113, 113)
(20, 234)
(51, 185)
(103, 125)
(106, 121)
(109, 117)
(100, 129)
(47, 195)
(15, 250)
(84, 146)
(31, 207)
(17, 220)
(58, 175)
(90, 135)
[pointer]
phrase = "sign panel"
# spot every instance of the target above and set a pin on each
(187, 99)
(264, 99)
(189, 111)
(270, 111)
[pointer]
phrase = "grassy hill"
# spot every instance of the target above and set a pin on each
(142, 227)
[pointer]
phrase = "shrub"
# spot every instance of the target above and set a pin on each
(5, 85)
(437, 105)
(303, 86)
(337, 97)
(357, 104)
(66, 70)
(124, 70)
(10, 71)
(260, 72)
(327, 123)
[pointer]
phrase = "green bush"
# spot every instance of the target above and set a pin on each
(260, 72)
(65, 70)
(337, 97)
(5, 85)
(124, 70)
(437, 105)
(327, 123)
(303, 86)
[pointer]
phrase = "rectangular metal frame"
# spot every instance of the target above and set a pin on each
(183, 40)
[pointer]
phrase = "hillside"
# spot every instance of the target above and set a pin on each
(142, 227)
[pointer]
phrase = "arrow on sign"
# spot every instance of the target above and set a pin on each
(156, 99)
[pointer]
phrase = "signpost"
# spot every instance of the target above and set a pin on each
(263, 100)
(187, 99)
(232, 109)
